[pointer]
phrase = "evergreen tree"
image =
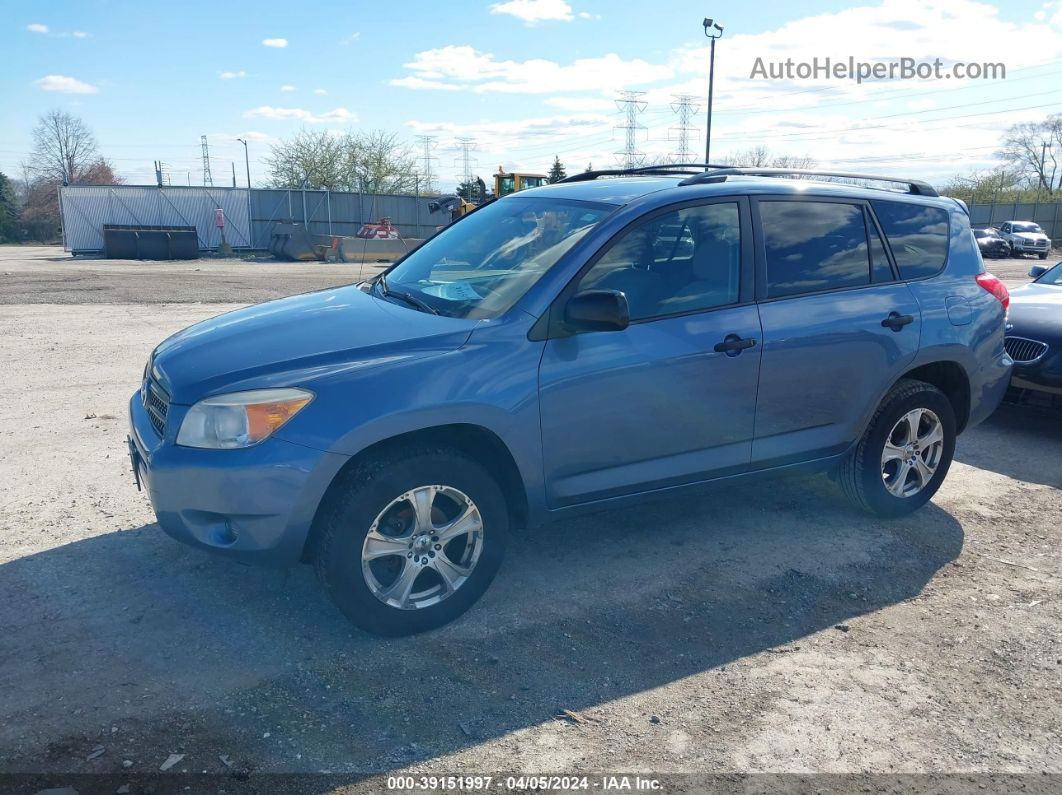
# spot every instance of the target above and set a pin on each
(556, 171)
(9, 232)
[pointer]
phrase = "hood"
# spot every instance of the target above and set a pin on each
(295, 340)
(1036, 312)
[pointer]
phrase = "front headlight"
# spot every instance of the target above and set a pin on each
(240, 419)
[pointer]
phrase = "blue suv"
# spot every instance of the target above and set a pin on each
(616, 336)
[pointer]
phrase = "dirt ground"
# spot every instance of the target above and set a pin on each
(747, 629)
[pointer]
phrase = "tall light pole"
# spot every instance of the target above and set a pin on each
(246, 161)
(709, 26)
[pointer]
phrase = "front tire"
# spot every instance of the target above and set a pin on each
(904, 454)
(411, 540)
(1042, 255)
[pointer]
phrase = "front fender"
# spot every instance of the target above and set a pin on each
(491, 382)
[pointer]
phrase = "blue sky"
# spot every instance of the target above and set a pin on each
(526, 79)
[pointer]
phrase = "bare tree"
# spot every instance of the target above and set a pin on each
(64, 149)
(309, 159)
(993, 185)
(761, 157)
(64, 153)
(381, 163)
(370, 162)
(1030, 149)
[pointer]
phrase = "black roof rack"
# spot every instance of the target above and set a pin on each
(662, 168)
(914, 186)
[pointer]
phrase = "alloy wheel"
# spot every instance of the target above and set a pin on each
(422, 547)
(912, 453)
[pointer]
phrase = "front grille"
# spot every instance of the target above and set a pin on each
(1024, 351)
(157, 403)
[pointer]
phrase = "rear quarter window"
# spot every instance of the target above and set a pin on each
(917, 234)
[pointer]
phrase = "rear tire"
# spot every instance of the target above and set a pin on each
(904, 454)
(445, 505)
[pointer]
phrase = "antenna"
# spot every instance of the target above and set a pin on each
(631, 106)
(207, 178)
(428, 144)
(684, 107)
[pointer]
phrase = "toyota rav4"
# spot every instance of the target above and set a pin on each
(616, 336)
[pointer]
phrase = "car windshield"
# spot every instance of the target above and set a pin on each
(1025, 227)
(484, 264)
(984, 233)
(1052, 277)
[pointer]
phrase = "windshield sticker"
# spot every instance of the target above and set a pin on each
(453, 291)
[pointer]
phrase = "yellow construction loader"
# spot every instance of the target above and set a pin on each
(506, 182)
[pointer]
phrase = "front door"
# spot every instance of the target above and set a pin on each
(670, 399)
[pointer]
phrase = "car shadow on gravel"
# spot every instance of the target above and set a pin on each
(1021, 442)
(131, 642)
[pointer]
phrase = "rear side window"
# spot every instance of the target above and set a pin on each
(813, 246)
(918, 236)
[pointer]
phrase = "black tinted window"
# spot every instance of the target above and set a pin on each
(813, 246)
(680, 261)
(918, 236)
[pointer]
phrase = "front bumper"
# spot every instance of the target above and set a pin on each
(1045, 374)
(1028, 247)
(256, 504)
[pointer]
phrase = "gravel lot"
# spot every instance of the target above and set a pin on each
(746, 629)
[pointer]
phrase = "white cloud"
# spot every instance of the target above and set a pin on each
(287, 87)
(37, 27)
(420, 82)
(581, 103)
(80, 34)
(532, 11)
(64, 85)
(281, 43)
(300, 114)
(463, 67)
(320, 92)
(353, 37)
(232, 75)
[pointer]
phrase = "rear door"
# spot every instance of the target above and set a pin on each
(838, 325)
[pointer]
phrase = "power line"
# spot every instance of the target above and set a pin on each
(207, 178)
(467, 145)
(685, 108)
(427, 143)
(631, 106)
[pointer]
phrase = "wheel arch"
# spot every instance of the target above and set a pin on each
(476, 441)
(951, 378)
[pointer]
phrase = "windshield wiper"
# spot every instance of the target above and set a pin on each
(409, 298)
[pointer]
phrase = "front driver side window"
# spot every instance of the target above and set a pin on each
(680, 261)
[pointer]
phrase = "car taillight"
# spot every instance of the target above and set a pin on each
(996, 287)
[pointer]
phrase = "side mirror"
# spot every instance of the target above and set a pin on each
(1036, 271)
(598, 310)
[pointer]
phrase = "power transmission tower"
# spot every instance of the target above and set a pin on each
(467, 146)
(428, 144)
(685, 108)
(207, 178)
(631, 106)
